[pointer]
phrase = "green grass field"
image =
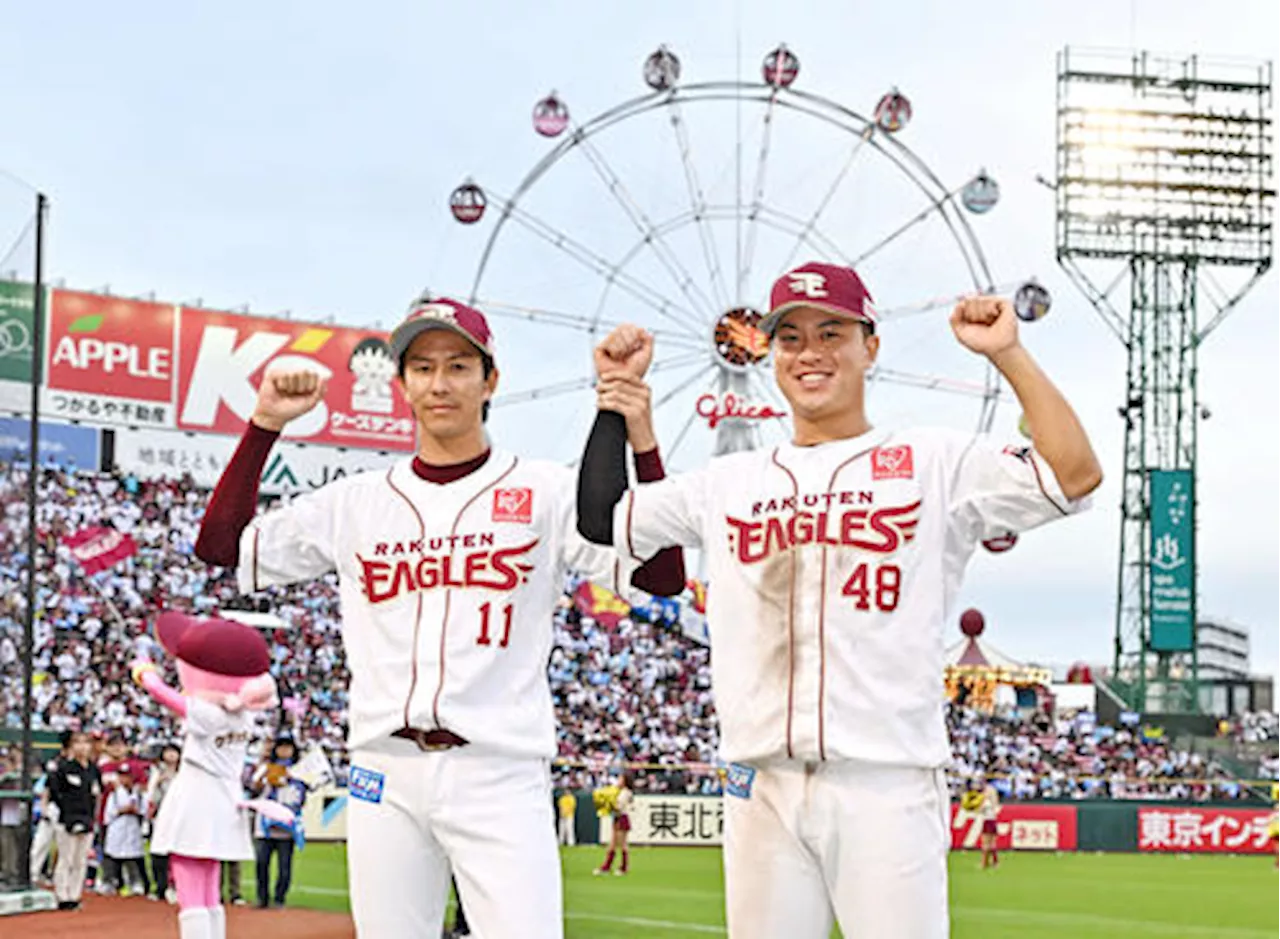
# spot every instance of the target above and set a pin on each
(677, 891)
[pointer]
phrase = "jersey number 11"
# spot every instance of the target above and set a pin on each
(507, 614)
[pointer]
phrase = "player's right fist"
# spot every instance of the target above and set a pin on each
(285, 395)
(627, 350)
(140, 670)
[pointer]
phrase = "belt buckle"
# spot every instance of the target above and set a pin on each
(431, 747)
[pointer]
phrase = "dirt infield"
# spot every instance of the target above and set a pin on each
(134, 918)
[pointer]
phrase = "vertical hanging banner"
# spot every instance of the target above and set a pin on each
(1173, 569)
(17, 310)
(223, 358)
(109, 360)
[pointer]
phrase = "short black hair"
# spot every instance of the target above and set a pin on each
(486, 364)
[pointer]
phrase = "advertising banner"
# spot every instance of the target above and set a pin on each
(1173, 569)
(1204, 831)
(1019, 827)
(17, 308)
(679, 820)
(223, 357)
(63, 445)
(110, 359)
(291, 467)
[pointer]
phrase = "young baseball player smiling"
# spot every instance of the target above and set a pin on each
(833, 561)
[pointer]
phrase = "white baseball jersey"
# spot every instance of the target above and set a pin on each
(831, 572)
(446, 589)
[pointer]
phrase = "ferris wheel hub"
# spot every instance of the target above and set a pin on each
(739, 342)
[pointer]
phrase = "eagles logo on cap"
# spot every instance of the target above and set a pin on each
(441, 313)
(838, 290)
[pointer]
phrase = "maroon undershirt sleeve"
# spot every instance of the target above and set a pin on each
(663, 574)
(235, 499)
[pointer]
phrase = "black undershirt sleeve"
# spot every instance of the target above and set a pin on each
(602, 478)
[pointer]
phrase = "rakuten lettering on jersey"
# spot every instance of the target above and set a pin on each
(402, 568)
(837, 519)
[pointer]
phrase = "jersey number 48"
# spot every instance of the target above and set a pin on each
(880, 585)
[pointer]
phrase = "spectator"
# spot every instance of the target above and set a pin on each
(162, 776)
(122, 842)
(272, 780)
(74, 788)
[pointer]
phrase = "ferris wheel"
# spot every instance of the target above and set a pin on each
(677, 209)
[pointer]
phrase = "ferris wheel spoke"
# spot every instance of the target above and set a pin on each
(698, 204)
(768, 389)
(908, 310)
(670, 454)
(652, 237)
(610, 273)
(576, 321)
(672, 392)
(939, 383)
(811, 222)
(814, 236)
(559, 388)
(762, 163)
(938, 205)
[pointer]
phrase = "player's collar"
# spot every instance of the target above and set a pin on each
(875, 437)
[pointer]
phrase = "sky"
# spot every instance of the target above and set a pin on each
(299, 156)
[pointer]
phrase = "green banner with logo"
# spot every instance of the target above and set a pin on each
(17, 310)
(1173, 566)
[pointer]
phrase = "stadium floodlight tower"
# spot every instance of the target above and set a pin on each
(1164, 181)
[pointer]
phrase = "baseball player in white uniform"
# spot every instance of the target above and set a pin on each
(833, 561)
(449, 565)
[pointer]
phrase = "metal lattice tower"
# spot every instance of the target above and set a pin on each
(1164, 182)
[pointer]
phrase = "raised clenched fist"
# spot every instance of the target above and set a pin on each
(985, 325)
(285, 395)
(627, 350)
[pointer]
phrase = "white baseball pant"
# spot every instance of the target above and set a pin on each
(568, 836)
(485, 817)
(860, 843)
(41, 846)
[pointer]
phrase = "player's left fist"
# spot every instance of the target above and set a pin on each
(627, 350)
(985, 325)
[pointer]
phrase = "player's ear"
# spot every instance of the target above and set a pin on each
(872, 343)
(491, 382)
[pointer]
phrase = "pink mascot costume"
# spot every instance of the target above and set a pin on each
(223, 669)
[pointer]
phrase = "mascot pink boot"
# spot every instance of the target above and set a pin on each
(223, 669)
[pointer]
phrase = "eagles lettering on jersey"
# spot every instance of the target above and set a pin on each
(878, 530)
(486, 566)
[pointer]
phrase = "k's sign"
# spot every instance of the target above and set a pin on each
(224, 357)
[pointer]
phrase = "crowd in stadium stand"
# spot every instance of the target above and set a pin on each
(626, 690)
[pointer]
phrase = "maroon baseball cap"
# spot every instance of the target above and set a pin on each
(441, 313)
(829, 287)
(215, 645)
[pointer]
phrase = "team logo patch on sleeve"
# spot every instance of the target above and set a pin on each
(365, 785)
(892, 462)
(738, 780)
(513, 505)
(1019, 453)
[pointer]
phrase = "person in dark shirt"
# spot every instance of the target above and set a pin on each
(74, 787)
